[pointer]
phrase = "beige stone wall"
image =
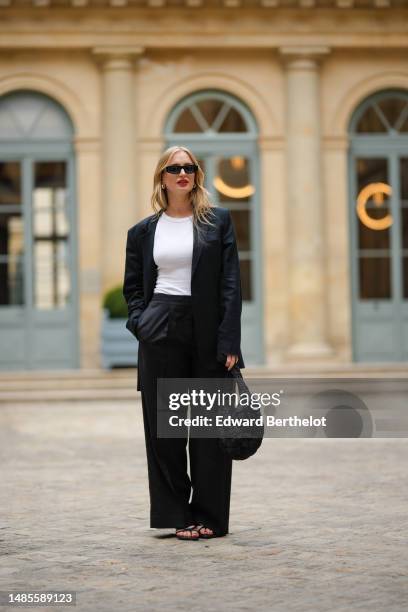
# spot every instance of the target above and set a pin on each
(74, 81)
(347, 78)
(90, 82)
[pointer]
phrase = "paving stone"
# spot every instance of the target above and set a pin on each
(315, 525)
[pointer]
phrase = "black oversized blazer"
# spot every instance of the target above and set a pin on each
(215, 284)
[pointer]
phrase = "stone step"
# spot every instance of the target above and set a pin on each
(45, 396)
(109, 385)
(65, 382)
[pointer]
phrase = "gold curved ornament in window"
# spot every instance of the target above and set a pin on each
(376, 191)
(233, 192)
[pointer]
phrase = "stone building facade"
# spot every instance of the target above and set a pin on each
(298, 110)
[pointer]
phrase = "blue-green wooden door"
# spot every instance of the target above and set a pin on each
(222, 133)
(379, 228)
(38, 293)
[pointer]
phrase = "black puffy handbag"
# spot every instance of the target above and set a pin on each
(231, 438)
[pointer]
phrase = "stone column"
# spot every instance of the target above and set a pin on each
(88, 156)
(306, 266)
(118, 157)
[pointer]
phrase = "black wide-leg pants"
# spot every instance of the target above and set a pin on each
(167, 350)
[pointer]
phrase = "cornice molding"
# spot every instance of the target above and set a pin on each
(201, 25)
(304, 57)
(118, 52)
(307, 5)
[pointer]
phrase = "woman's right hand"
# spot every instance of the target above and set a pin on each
(231, 361)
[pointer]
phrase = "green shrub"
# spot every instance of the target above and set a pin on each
(115, 304)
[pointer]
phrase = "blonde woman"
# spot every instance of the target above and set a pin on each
(183, 289)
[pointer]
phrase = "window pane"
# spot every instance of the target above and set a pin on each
(11, 235)
(246, 278)
(404, 227)
(405, 277)
(50, 174)
(373, 204)
(404, 178)
(210, 113)
(371, 122)
(52, 282)
(11, 259)
(187, 123)
(371, 170)
(404, 127)
(371, 238)
(374, 225)
(241, 220)
(232, 180)
(50, 217)
(209, 109)
(375, 278)
(50, 229)
(392, 109)
(233, 122)
(404, 202)
(10, 183)
(11, 282)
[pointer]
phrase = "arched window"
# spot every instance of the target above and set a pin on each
(223, 134)
(384, 113)
(379, 225)
(26, 115)
(211, 113)
(37, 221)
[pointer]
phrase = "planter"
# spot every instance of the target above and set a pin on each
(119, 347)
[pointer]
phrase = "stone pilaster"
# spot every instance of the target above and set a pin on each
(119, 156)
(306, 247)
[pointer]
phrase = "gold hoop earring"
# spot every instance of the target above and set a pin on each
(163, 187)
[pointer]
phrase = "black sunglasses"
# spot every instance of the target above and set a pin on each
(176, 168)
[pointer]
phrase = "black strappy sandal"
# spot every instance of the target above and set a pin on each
(191, 528)
(206, 536)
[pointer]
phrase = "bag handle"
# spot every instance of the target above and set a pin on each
(235, 373)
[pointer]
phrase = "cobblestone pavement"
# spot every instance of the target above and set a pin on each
(316, 525)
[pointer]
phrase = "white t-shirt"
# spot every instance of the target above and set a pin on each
(173, 254)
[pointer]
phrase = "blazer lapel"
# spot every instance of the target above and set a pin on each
(197, 250)
(149, 267)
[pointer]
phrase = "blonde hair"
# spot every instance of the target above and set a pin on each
(199, 196)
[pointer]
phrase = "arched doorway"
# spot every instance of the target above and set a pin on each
(223, 134)
(379, 227)
(38, 293)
